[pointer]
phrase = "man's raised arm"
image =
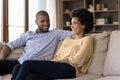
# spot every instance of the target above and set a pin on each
(4, 52)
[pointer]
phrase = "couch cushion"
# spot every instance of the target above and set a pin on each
(101, 43)
(112, 62)
(6, 77)
(85, 77)
(109, 78)
(15, 54)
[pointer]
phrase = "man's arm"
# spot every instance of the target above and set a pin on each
(4, 52)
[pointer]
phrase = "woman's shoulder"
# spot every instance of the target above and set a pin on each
(88, 38)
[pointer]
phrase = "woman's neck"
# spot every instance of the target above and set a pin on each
(79, 36)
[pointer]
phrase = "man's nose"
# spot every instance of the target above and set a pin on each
(46, 23)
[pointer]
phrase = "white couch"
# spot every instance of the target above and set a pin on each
(105, 64)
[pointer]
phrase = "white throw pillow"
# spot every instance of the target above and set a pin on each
(100, 43)
(112, 62)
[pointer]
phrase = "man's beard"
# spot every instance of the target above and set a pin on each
(39, 30)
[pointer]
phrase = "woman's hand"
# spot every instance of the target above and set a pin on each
(45, 58)
(62, 61)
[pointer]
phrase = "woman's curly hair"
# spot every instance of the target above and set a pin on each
(85, 18)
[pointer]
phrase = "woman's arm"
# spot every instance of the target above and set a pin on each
(62, 61)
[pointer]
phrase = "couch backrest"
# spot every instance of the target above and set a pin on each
(101, 41)
(1, 45)
(15, 54)
(112, 62)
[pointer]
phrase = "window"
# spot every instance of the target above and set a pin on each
(16, 18)
(34, 7)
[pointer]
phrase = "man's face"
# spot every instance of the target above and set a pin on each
(43, 23)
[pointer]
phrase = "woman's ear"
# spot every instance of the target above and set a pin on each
(83, 26)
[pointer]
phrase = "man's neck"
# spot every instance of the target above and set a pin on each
(40, 31)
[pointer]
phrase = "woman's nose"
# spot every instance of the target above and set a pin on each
(71, 26)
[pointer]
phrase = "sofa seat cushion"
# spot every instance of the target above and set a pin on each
(112, 62)
(6, 77)
(109, 78)
(85, 77)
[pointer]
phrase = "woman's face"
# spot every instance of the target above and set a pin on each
(76, 26)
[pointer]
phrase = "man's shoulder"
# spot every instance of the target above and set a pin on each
(88, 39)
(30, 32)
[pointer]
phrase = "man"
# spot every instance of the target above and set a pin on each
(37, 45)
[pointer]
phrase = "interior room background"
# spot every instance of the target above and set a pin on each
(18, 16)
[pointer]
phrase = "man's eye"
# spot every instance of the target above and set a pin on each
(42, 21)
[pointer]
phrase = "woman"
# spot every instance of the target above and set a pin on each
(72, 59)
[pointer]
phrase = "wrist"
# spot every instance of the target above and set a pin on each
(4, 44)
(1, 57)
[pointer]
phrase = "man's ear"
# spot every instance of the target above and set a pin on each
(36, 21)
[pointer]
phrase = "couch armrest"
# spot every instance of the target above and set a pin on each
(15, 54)
(1, 45)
